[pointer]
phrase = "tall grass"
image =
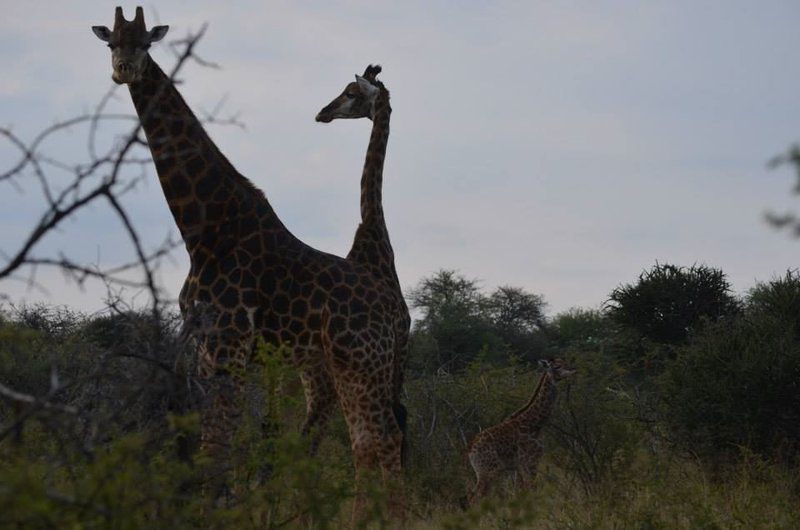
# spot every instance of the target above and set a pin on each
(656, 491)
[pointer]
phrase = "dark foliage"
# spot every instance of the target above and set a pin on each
(668, 303)
(459, 323)
(580, 328)
(787, 220)
(778, 298)
(737, 384)
(122, 372)
(516, 317)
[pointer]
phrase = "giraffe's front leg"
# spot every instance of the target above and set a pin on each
(221, 367)
(530, 453)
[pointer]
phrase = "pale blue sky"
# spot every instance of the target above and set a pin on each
(560, 147)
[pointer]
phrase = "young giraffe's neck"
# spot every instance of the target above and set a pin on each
(538, 408)
(202, 188)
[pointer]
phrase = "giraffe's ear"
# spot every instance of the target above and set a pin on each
(102, 32)
(158, 32)
(366, 87)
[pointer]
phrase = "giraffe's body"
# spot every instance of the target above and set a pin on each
(369, 98)
(514, 445)
(250, 277)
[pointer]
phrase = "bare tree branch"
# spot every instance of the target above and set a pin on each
(104, 175)
(107, 172)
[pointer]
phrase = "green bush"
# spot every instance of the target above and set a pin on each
(137, 480)
(127, 371)
(594, 432)
(778, 298)
(579, 328)
(737, 384)
(124, 462)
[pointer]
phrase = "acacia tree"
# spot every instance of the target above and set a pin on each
(517, 317)
(515, 311)
(453, 327)
(669, 302)
(458, 322)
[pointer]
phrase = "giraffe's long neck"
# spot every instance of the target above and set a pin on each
(538, 408)
(371, 245)
(202, 188)
(372, 175)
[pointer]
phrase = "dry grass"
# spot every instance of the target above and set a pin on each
(654, 493)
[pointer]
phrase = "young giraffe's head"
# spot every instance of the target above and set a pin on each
(556, 368)
(357, 100)
(129, 43)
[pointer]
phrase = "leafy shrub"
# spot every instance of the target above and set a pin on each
(129, 383)
(134, 480)
(578, 328)
(737, 384)
(778, 298)
(52, 321)
(123, 461)
(594, 430)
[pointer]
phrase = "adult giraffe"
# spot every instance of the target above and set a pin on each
(250, 277)
(366, 97)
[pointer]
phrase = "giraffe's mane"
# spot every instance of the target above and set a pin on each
(238, 178)
(533, 397)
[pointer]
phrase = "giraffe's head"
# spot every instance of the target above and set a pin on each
(129, 43)
(556, 368)
(357, 100)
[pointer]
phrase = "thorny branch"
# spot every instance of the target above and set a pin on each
(103, 175)
(101, 180)
(788, 221)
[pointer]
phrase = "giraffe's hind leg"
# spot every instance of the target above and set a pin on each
(485, 463)
(321, 402)
(376, 442)
(366, 393)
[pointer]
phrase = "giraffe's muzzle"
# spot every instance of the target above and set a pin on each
(124, 72)
(324, 117)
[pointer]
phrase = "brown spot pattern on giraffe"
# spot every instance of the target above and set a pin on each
(250, 277)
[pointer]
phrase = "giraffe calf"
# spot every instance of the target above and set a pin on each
(514, 445)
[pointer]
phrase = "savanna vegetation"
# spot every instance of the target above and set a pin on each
(684, 413)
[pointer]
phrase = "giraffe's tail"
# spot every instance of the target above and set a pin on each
(400, 410)
(401, 416)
